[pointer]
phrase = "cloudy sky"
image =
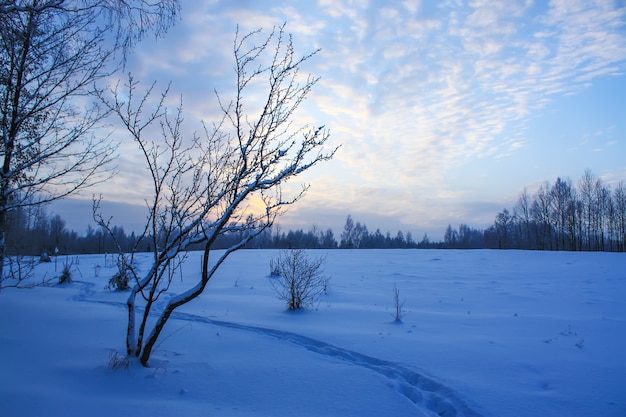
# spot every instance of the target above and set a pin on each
(444, 110)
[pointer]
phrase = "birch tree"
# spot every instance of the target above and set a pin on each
(561, 203)
(619, 197)
(227, 180)
(522, 212)
(586, 187)
(540, 212)
(52, 52)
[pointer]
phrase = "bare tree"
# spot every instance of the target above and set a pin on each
(522, 212)
(451, 237)
(207, 185)
(503, 226)
(540, 212)
(603, 214)
(561, 202)
(586, 187)
(619, 198)
(52, 52)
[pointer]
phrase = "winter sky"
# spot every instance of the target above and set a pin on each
(445, 110)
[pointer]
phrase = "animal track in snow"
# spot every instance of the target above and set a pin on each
(428, 395)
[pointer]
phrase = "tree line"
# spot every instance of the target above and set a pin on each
(33, 231)
(588, 216)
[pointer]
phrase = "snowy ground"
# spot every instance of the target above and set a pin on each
(486, 333)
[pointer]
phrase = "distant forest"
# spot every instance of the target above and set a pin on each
(588, 216)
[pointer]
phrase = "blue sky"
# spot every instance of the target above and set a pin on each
(445, 110)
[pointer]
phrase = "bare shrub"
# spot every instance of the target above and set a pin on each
(398, 305)
(274, 271)
(66, 274)
(122, 278)
(300, 280)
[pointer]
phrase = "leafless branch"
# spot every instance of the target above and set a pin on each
(206, 186)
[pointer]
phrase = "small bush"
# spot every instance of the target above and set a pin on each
(66, 274)
(298, 279)
(121, 280)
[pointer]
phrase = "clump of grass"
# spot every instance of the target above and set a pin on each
(118, 361)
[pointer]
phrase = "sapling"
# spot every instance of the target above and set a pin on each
(399, 314)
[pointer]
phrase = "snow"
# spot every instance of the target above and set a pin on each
(485, 333)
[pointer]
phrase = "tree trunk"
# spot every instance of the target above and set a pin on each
(146, 352)
(2, 248)
(131, 339)
(158, 327)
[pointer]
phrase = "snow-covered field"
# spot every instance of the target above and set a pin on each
(486, 333)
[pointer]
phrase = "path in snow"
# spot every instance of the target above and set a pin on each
(424, 392)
